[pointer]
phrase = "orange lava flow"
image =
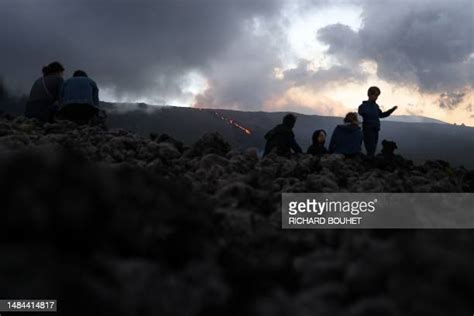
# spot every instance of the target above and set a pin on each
(234, 123)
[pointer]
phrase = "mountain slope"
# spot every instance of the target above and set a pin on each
(413, 119)
(417, 141)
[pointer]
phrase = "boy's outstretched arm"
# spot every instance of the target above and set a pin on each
(387, 113)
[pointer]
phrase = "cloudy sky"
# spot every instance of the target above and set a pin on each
(308, 56)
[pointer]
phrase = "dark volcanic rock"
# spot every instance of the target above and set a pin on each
(210, 143)
(165, 138)
(137, 226)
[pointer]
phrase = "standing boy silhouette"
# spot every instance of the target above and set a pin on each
(371, 114)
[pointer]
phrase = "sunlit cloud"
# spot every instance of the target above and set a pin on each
(315, 56)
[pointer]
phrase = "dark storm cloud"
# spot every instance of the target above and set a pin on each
(427, 43)
(414, 112)
(451, 100)
(344, 42)
(137, 47)
(242, 75)
(145, 48)
(302, 75)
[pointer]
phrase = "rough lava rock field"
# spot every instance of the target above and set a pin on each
(111, 223)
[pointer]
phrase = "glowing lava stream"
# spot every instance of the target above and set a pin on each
(233, 123)
(230, 122)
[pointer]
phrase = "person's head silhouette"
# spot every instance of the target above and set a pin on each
(289, 120)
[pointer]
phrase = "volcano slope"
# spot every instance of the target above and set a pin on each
(108, 222)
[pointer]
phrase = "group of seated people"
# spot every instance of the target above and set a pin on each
(346, 139)
(76, 99)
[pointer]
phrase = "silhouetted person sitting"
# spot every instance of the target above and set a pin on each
(79, 99)
(347, 138)
(371, 114)
(388, 148)
(317, 148)
(44, 95)
(281, 138)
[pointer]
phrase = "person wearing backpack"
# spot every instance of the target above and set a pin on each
(44, 95)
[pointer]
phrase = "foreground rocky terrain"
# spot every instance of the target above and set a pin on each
(109, 222)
